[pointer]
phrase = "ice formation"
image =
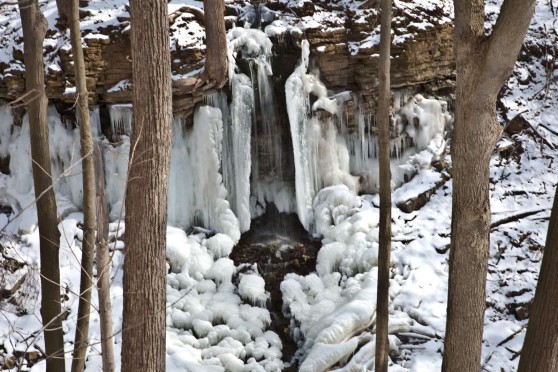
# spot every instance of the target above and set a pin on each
(267, 182)
(333, 305)
(237, 161)
(197, 195)
(320, 159)
(209, 322)
(120, 119)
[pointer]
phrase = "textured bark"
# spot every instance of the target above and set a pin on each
(483, 64)
(540, 348)
(143, 345)
(81, 340)
(34, 27)
(216, 41)
(64, 11)
(382, 314)
(103, 263)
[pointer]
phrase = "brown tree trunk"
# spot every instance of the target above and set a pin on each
(34, 27)
(143, 345)
(382, 314)
(88, 178)
(103, 264)
(216, 65)
(63, 12)
(483, 65)
(540, 348)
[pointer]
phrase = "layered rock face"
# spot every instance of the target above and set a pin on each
(343, 36)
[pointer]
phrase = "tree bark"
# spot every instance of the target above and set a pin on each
(382, 314)
(34, 27)
(63, 12)
(216, 65)
(540, 348)
(483, 64)
(143, 345)
(103, 264)
(88, 178)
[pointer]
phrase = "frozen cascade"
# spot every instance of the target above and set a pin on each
(120, 119)
(115, 158)
(6, 120)
(241, 115)
(417, 138)
(197, 195)
(65, 158)
(19, 149)
(179, 179)
(319, 160)
(267, 178)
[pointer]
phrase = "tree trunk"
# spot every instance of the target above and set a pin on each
(483, 65)
(34, 27)
(382, 315)
(103, 264)
(143, 345)
(216, 64)
(86, 141)
(63, 13)
(540, 348)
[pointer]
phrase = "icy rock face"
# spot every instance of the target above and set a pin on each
(209, 319)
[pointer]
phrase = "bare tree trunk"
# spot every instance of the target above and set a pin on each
(540, 348)
(34, 27)
(483, 65)
(88, 176)
(103, 264)
(216, 41)
(382, 315)
(143, 345)
(63, 12)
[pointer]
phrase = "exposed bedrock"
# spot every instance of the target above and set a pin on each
(342, 43)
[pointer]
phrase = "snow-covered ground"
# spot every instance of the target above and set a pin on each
(216, 314)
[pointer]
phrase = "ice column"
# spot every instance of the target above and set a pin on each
(306, 133)
(241, 115)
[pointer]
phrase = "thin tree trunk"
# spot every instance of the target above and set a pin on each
(34, 27)
(540, 348)
(382, 315)
(216, 65)
(103, 264)
(81, 340)
(143, 344)
(483, 65)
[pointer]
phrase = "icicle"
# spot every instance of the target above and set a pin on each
(121, 119)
